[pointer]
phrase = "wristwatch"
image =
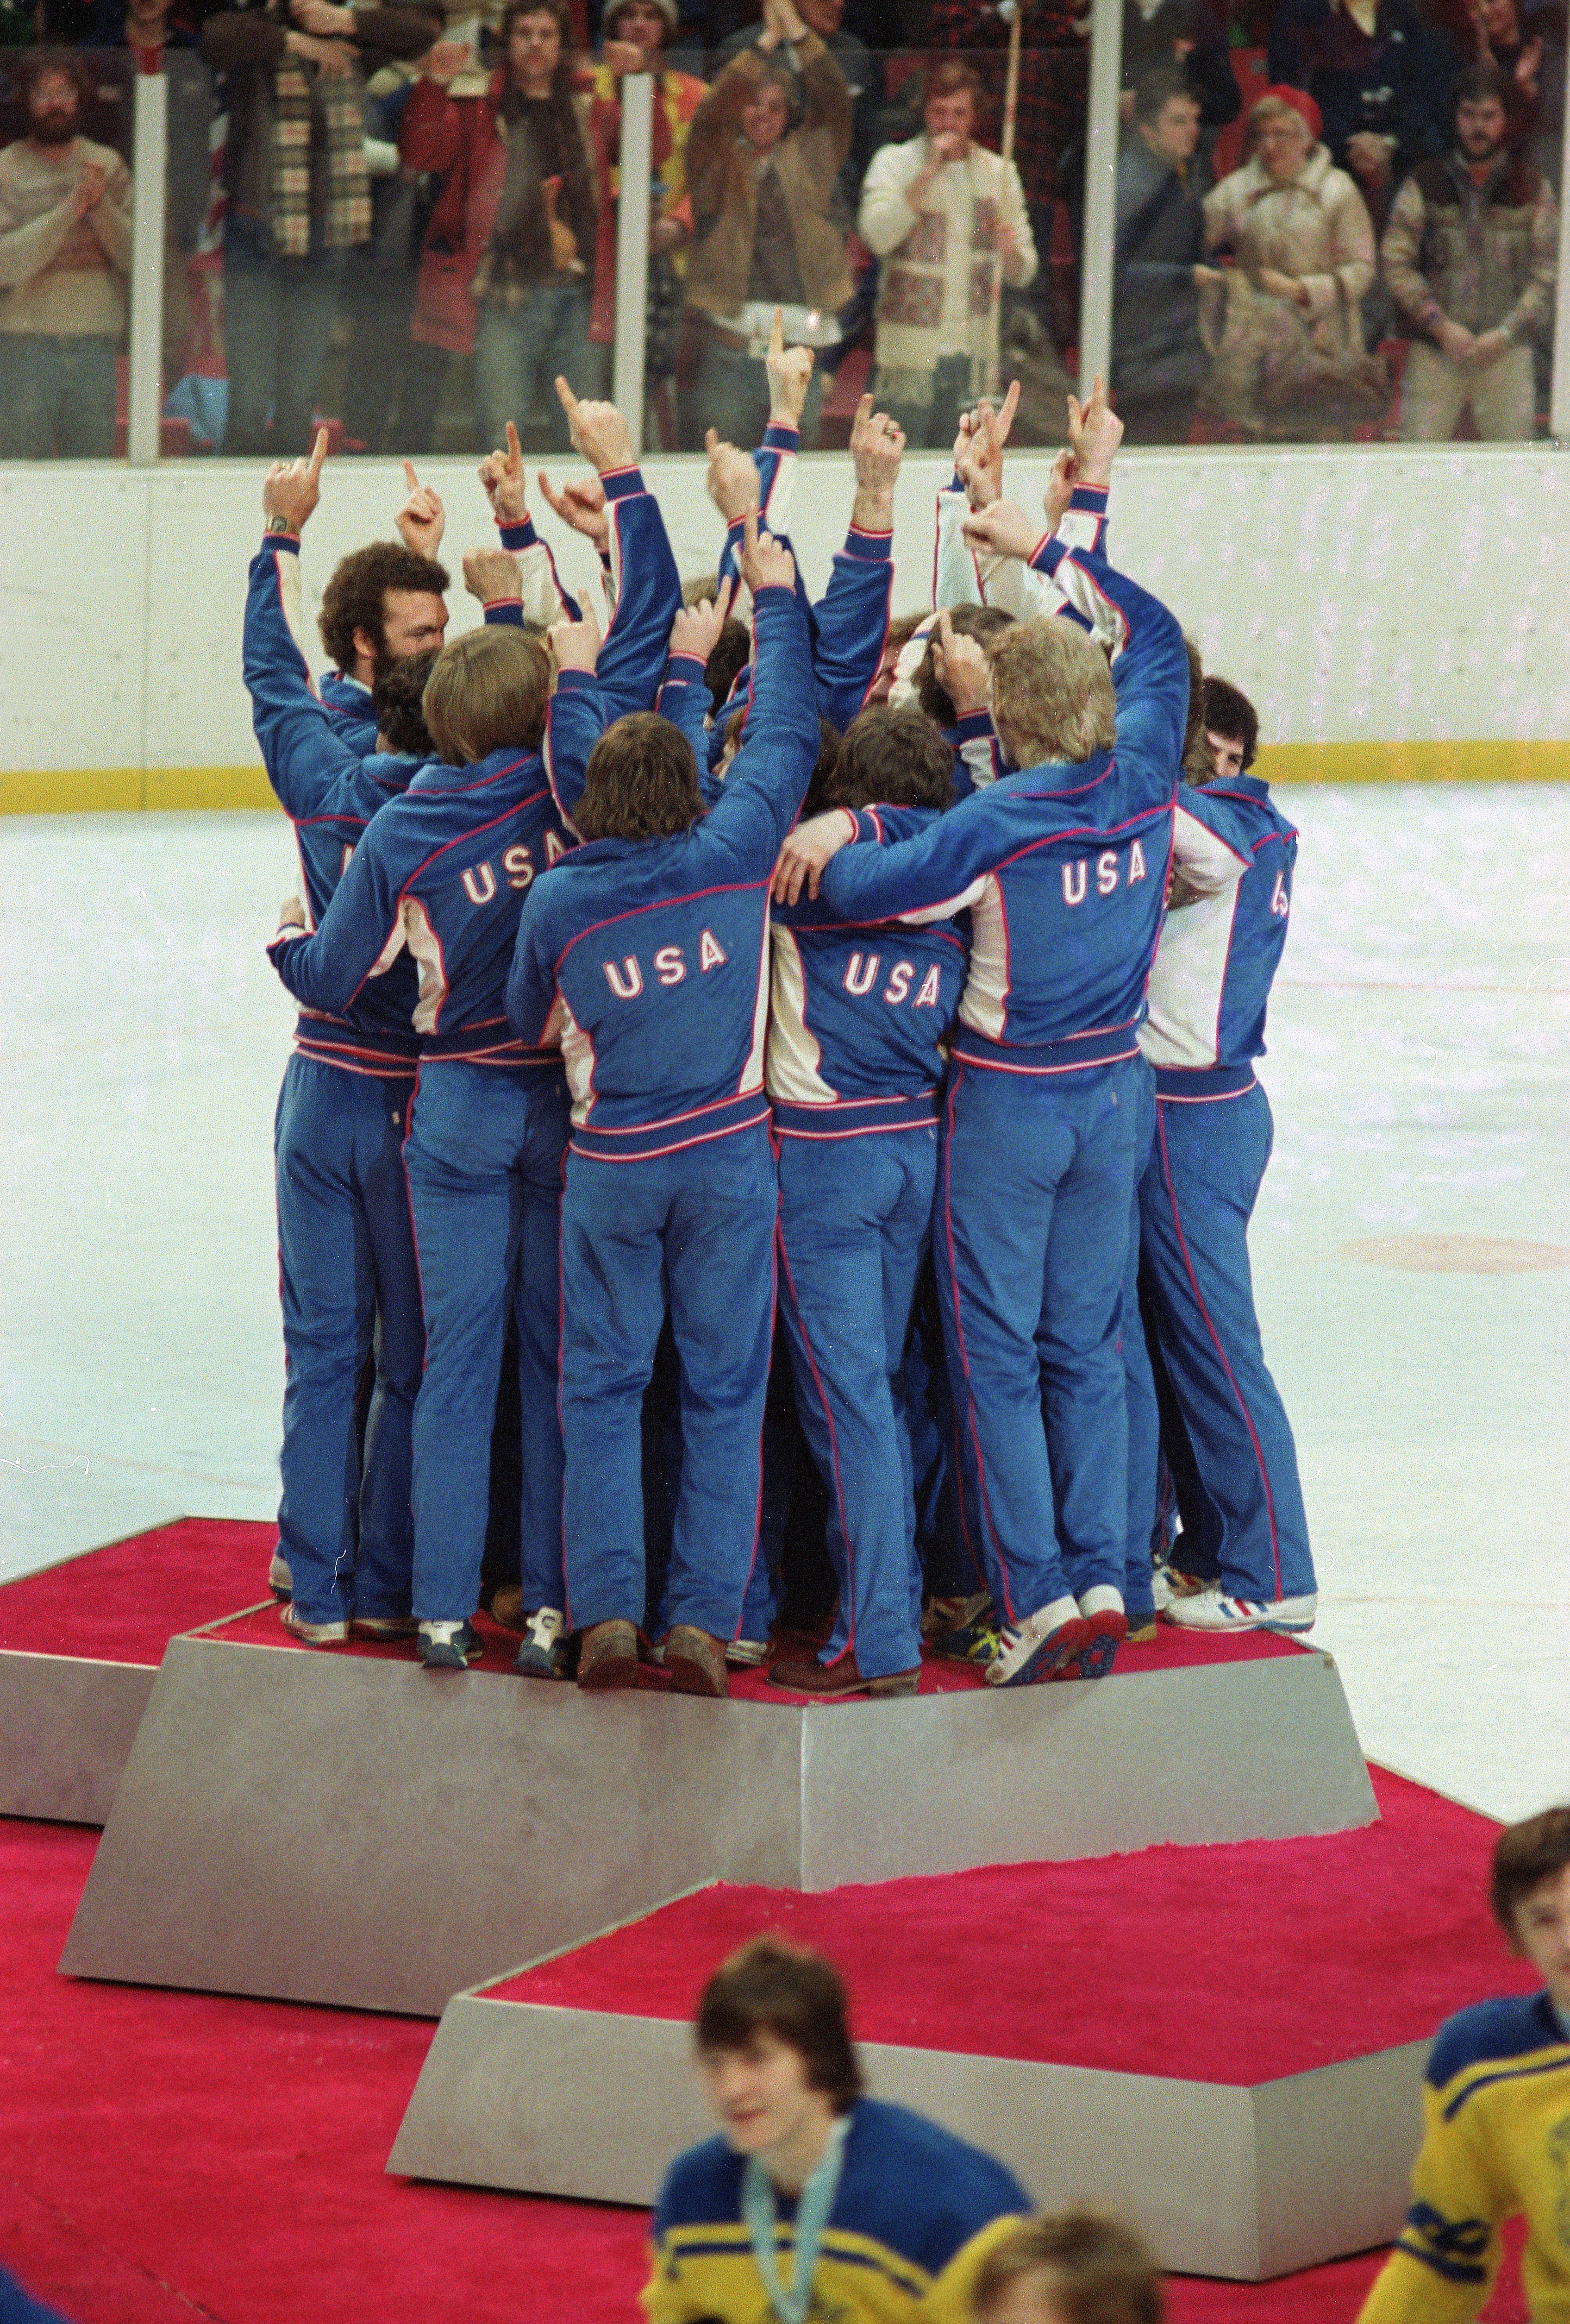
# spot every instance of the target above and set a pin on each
(278, 522)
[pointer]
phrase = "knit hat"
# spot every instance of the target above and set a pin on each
(1298, 99)
(668, 9)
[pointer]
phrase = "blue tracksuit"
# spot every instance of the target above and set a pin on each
(1209, 991)
(855, 1060)
(345, 1247)
(848, 626)
(648, 960)
(1064, 868)
(347, 703)
(448, 873)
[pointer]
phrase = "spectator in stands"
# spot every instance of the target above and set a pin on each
(881, 2214)
(1081, 2268)
(508, 266)
(1050, 124)
(947, 219)
(65, 254)
(294, 168)
(1530, 63)
(637, 32)
(1469, 256)
(1378, 76)
(762, 188)
(1158, 359)
(1289, 360)
(863, 75)
(1186, 36)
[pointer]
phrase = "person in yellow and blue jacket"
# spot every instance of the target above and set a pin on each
(814, 2201)
(1496, 2108)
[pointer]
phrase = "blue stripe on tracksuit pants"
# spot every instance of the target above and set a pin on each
(1195, 1200)
(695, 1226)
(345, 1266)
(483, 1157)
(1144, 1433)
(1034, 1184)
(854, 1219)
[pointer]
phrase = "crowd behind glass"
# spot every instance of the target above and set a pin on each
(1335, 219)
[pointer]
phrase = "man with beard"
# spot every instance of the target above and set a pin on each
(1469, 257)
(65, 252)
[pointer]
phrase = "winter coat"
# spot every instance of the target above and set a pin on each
(1484, 255)
(723, 171)
(1315, 227)
(1156, 348)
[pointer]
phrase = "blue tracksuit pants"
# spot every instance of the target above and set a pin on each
(855, 1215)
(695, 1229)
(1035, 1183)
(1144, 1432)
(1195, 1200)
(484, 1156)
(346, 1265)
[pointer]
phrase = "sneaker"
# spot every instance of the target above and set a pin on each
(747, 1653)
(977, 1642)
(608, 1656)
(1170, 1582)
(507, 1607)
(383, 1627)
(544, 1651)
(942, 1615)
(1102, 1608)
(448, 1646)
(1047, 1645)
(280, 1579)
(313, 1634)
(1144, 1633)
(695, 1661)
(1209, 1609)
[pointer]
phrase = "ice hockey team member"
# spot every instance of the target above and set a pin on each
(1078, 2268)
(1246, 1534)
(814, 2201)
(1063, 866)
(1496, 2112)
(859, 1018)
(346, 1263)
(645, 952)
(447, 871)
(381, 604)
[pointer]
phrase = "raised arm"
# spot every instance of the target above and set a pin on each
(768, 777)
(644, 586)
(850, 619)
(307, 763)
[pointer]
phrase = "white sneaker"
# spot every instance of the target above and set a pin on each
(544, 1651)
(1208, 1609)
(1043, 1646)
(313, 1634)
(280, 1579)
(747, 1654)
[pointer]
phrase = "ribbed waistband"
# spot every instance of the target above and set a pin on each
(642, 1142)
(333, 1041)
(483, 1045)
(1202, 1084)
(858, 1117)
(1106, 1046)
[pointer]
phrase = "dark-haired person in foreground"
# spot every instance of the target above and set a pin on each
(861, 1014)
(1080, 2267)
(381, 604)
(814, 2201)
(645, 953)
(446, 871)
(1496, 2112)
(344, 1245)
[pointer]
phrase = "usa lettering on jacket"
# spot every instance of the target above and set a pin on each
(668, 966)
(518, 869)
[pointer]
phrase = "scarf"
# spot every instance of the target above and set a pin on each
(346, 213)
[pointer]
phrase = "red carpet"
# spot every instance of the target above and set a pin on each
(161, 2152)
(123, 1604)
(1233, 1964)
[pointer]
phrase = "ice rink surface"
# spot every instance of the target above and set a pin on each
(1419, 1044)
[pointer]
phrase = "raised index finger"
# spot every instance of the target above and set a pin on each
(776, 336)
(318, 454)
(1004, 420)
(410, 478)
(514, 449)
(568, 400)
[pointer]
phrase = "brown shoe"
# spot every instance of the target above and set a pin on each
(802, 1674)
(608, 1656)
(507, 1607)
(695, 1661)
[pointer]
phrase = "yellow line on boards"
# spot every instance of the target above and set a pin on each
(105, 790)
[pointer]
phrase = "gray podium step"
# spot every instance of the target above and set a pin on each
(66, 1727)
(1221, 2180)
(355, 1831)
